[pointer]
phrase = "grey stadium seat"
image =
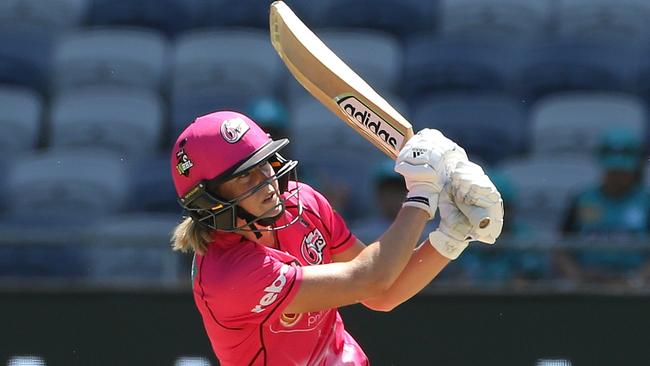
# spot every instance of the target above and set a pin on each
(124, 120)
(572, 123)
(20, 121)
(66, 183)
(382, 71)
(544, 187)
(511, 18)
(492, 126)
(52, 14)
(598, 18)
(119, 56)
(238, 61)
(442, 64)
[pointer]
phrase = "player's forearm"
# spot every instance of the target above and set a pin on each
(425, 264)
(385, 259)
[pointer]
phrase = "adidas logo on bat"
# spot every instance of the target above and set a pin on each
(370, 121)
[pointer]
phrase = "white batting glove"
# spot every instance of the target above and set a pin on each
(421, 164)
(477, 197)
(454, 233)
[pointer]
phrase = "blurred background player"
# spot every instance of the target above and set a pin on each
(273, 260)
(616, 210)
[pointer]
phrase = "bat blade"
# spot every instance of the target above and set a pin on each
(326, 77)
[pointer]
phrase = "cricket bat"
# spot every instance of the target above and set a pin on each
(340, 89)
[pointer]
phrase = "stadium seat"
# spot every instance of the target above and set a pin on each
(382, 70)
(642, 86)
(490, 126)
(433, 64)
(598, 18)
(150, 186)
(26, 361)
(124, 120)
(544, 187)
(66, 183)
(168, 16)
(511, 18)
(52, 14)
(409, 17)
(118, 56)
(132, 248)
(25, 56)
(578, 64)
(572, 123)
(187, 106)
(236, 13)
(21, 119)
(234, 61)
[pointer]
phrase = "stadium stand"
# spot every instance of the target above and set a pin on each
(578, 64)
(409, 17)
(124, 120)
(573, 122)
(603, 18)
(441, 64)
(544, 184)
(110, 56)
(25, 55)
(167, 16)
(238, 61)
(490, 126)
(52, 14)
(20, 123)
(65, 185)
(510, 18)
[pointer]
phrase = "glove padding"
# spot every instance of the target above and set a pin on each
(478, 199)
(455, 231)
(421, 164)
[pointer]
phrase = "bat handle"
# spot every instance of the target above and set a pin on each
(478, 216)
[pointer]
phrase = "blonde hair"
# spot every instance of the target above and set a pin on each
(189, 235)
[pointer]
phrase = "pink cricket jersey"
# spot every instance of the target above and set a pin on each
(241, 288)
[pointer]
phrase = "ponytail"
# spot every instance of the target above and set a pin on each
(189, 235)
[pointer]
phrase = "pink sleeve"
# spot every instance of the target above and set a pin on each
(341, 238)
(255, 288)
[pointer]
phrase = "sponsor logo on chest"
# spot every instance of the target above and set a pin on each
(271, 292)
(312, 247)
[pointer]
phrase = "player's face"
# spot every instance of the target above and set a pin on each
(263, 203)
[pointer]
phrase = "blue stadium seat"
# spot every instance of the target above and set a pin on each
(573, 123)
(408, 17)
(168, 16)
(133, 248)
(491, 126)
(598, 18)
(510, 18)
(22, 111)
(544, 186)
(25, 56)
(382, 70)
(124, 120)
(52, 14)
(235, 13)
(150, 185)
(119, 56)
(433, 64)
(66, 184)
(235, 61)
(578, 64)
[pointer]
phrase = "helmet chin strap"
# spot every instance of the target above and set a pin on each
(254, 220)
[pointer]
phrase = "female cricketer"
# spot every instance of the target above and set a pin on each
(273, 261)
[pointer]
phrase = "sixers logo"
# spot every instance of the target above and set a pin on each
(232, 130)
(312, 247)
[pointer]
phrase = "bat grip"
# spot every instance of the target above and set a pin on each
(478, 216)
